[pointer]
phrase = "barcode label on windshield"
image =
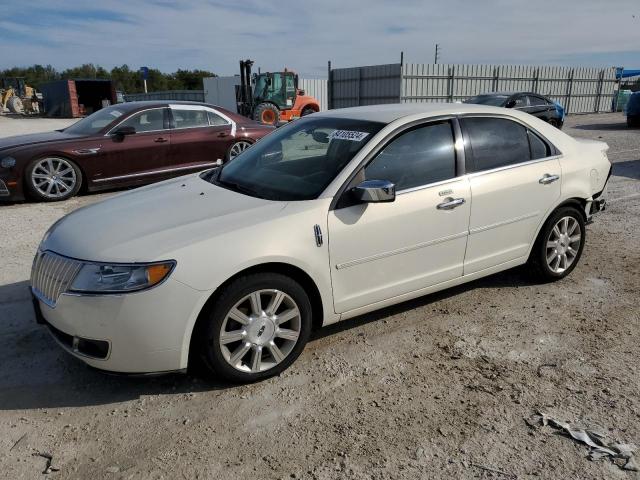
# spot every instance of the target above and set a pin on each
(348, 135)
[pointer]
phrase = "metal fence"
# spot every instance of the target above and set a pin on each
(317, 88)
(351, 87)
(579, 90)
(178, 95)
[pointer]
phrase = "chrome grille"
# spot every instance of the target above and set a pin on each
(52, 275)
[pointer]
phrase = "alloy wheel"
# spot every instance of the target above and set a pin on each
(260, 331)
(53, 177)
(563, 244)
(237, 149)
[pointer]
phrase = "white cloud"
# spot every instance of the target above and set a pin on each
(303, 35)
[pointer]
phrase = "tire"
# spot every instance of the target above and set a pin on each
(307, 111)
(267, 113)
(555, 123)
(236, 149)
(14, 104)
(548, 262)
(64, 175)
(251, 336)
(633, 122)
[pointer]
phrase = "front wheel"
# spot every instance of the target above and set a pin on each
(257, 328)
(267, 113)
(559, 245)
(52, 179)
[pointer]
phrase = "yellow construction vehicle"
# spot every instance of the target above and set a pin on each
(17, 97)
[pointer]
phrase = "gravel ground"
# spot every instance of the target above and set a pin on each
(438, 387)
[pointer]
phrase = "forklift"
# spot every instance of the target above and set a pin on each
(272, 97)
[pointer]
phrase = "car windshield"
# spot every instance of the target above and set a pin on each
(96, 121)
(494, 100)
(297, 161)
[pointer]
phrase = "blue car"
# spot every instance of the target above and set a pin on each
(633, 110)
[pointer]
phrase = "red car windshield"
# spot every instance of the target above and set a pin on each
(97, 121)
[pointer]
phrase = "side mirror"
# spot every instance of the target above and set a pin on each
(123, 131)
(375, 191)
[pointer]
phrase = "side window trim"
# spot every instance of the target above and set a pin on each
(470, 166)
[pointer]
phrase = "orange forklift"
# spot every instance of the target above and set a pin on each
(272, 97)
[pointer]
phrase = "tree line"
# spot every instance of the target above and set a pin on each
(124, 78)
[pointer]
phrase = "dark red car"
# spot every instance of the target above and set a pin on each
(123, 145)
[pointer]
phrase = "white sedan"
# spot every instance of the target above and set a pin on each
(332, 216)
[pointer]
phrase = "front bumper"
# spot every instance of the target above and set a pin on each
(145, 332)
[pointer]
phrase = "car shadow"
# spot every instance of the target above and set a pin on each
(630, 169)
(36, 373)
(602, 126)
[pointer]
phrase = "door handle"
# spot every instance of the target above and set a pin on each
(222, 134)
(450, 203)
(161, 140)
(547, 179)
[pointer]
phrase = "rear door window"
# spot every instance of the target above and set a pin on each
(495, 142)
(415, 158)
(189, 118)
(536, 101)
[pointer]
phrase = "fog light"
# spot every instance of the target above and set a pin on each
(8, 162)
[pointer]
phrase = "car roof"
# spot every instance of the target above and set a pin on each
(141, 104)
(388, 113)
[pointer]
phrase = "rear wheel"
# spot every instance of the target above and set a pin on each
(559, 245)
(257, 328)
(51, 179)
(236, 149)
(267, 113)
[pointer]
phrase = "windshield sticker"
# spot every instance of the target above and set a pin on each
(348, 135)
(115, 113)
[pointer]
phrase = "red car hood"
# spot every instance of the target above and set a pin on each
(34, 138)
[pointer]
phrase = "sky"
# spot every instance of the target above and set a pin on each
(303, 35)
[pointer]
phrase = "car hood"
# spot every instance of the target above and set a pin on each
(35, 138)
(153, 222)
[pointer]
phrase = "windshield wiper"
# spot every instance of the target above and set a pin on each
(237, 187)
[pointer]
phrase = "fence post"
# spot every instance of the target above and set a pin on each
(496, 78)
(569, 90)
(452, 77)
(329, 86)
(359, 86)
(599, 96)
(536, 80)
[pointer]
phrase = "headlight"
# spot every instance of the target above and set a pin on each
(8, 162)
(102, 278)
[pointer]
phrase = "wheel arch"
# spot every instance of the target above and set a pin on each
(292, 271)
(576, 202)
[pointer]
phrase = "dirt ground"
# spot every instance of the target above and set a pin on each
(439, 387)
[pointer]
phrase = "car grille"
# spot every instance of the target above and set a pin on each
(52, 275)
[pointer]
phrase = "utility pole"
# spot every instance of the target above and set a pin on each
(437, 54)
